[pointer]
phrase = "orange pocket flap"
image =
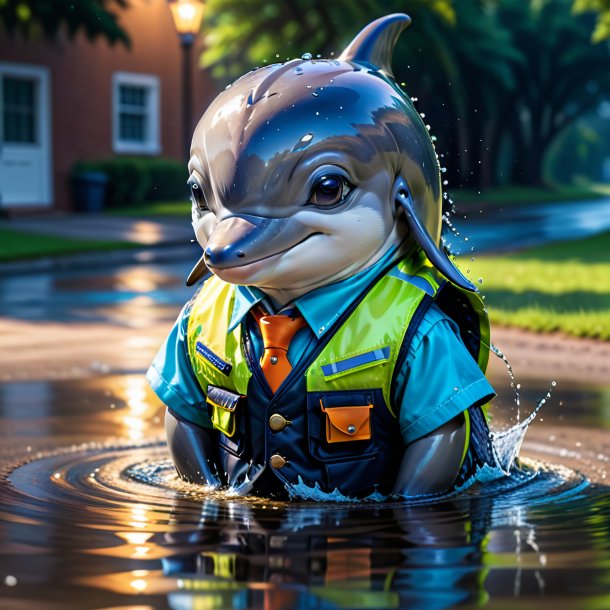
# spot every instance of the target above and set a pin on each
(347, 423)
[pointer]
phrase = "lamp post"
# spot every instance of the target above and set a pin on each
(187, 16)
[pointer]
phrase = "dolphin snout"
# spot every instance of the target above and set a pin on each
(244, 239)
(229, 242)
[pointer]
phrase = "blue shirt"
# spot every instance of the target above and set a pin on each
(438, 380)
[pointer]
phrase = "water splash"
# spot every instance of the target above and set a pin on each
(302, 491)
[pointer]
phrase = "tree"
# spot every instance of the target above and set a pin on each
(498, 80)
(94, 17)
(563, 78)
(241, 34)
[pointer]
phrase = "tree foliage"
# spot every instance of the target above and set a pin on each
(48, 17)
(602, 8)
(563, 77)
(498, 80)
(240, 34)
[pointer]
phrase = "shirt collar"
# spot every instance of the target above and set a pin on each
(321, 307)
(246, 297)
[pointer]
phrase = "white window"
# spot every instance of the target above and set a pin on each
(135, 125)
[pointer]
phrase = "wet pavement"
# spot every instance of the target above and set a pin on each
(92, 515)
(144, 231)
(513, 227)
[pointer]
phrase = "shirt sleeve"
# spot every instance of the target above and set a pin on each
(439, 378)
(172, 379)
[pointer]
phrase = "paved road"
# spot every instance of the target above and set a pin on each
(148, 231)
(522, 226)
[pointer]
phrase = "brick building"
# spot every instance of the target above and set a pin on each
(65, 101)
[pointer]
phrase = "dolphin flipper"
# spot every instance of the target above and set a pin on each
(192, 449)
(431, 464)
(436, 255)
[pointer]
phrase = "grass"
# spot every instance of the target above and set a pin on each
(176, 209)
(562, 287)
(21, 245)
(520, 195)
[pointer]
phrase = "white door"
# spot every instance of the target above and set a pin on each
(25, 136)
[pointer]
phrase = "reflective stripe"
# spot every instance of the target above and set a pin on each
(415, 280)
(210, 356)
(467, 440)
(355, 361)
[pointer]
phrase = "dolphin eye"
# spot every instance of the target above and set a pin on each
(329, 190)
(198, 196)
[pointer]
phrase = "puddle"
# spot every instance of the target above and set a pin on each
(110, 526)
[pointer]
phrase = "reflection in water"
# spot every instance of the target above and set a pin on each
(114, 519)
(132, 295)
(135, 530)
(134, 392)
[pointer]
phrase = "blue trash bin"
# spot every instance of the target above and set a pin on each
(89, 189)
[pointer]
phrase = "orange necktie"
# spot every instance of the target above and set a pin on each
(277, 333)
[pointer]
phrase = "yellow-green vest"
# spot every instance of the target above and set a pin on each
(332, 422)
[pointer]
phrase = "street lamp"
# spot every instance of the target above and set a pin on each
(187, 16)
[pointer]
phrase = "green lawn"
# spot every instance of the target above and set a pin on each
(19, 245)
(179, 209)
(560, 287)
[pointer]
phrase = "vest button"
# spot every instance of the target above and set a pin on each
(277, 422)
(277, 461)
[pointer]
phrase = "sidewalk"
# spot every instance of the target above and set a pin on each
(162, 239)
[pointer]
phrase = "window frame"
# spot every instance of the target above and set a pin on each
(152, 145)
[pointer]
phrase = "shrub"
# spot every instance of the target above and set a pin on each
(167, 180)
(134, 180)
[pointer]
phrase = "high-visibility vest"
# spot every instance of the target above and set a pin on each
(332, 423)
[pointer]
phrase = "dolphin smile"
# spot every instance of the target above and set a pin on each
(248, 267)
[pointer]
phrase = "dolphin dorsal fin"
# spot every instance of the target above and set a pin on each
(374, 45)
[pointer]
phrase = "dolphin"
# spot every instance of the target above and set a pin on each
(302, 174)
(306, 172)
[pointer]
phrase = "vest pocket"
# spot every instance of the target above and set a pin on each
(341, 424)
(226, 417)
(345, 424)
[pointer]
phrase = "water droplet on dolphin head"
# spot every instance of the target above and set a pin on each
(306, 56)
(298, 70)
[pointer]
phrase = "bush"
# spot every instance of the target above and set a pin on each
(134, 180)
(167, 180)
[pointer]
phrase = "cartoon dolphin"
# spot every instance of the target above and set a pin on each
(303, 174)
(306, 172)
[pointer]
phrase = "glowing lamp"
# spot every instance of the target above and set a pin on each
(187, 16)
